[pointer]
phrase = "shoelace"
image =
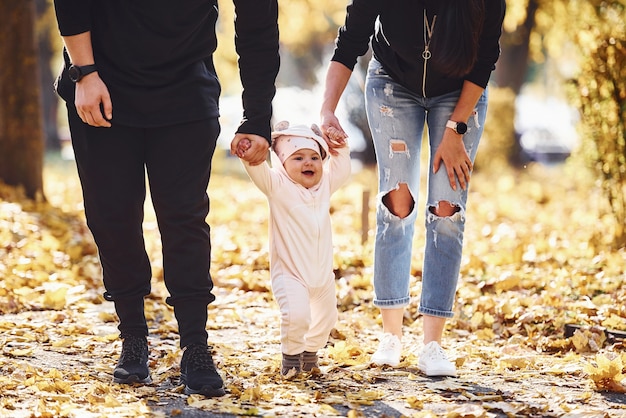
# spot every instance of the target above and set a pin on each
(133, 348)
(199, 358)
(388, 343)
(435, 352)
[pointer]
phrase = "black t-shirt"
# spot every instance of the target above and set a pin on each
(155, 56)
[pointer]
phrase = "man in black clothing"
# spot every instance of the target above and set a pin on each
(142, 96)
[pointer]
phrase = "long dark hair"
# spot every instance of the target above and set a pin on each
(455, 37)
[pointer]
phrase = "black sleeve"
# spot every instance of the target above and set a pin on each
(489, 44)
(354, 36)
(256, 43)
(73, 16)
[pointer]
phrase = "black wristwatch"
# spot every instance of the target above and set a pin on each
(76, 73)
(458, 127)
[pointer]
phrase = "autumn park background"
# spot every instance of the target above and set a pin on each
(541, 307)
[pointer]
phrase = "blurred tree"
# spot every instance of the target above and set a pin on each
(21, 132)
(499, 148)
(307, 32)
(49, 45)
(512, 66)
(598, 30)
(501, 145)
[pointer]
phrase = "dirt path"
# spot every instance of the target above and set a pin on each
(60, 363)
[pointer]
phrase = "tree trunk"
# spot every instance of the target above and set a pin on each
(46, 22)
(512, 65)
(21, 132)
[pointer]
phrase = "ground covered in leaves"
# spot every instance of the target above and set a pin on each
(537, 259)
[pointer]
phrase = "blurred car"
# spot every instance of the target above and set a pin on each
(545, 128)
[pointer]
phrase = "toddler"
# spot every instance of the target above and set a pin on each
(298, 186)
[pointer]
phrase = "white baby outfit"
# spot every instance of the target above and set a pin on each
(301, 249)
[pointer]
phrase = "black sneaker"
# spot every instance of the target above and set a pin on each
(198, 373)
(132, 367)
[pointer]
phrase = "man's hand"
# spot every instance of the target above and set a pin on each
(93, 102)
(250, 148)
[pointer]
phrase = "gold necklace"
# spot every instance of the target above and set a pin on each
(428, 35)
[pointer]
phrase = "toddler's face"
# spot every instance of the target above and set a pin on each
(304, 167)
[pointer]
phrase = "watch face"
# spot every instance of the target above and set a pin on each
(74, 73)
(461, 128)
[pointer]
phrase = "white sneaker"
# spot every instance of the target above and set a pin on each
(389, 350)
(434, 362)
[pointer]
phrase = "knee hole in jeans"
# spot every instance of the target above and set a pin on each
(399, 201)
(444, 209)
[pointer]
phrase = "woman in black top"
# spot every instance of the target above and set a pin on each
(431, 63)
(142, 95)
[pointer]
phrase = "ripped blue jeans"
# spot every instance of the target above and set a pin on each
(397, 118)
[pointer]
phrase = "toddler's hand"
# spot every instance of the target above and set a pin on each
(243, 146)
(335, 139)
(333, 132)
(336, 136)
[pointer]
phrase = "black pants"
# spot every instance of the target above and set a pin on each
(112, 165)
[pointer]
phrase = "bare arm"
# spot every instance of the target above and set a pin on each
(92, 96)
(337, 77)
(452, 151)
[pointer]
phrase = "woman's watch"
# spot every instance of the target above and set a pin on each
(458, 127)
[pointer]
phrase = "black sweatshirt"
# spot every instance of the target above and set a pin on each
(396, 29)
(155, 56)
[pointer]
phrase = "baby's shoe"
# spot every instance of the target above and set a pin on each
(291, 365)
(309, 362)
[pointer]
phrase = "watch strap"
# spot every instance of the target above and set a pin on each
(78, 72)
(456, 125)
(87, 69)
(451, 124)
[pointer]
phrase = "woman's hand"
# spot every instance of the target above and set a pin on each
(332, 132)
(454, 156)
